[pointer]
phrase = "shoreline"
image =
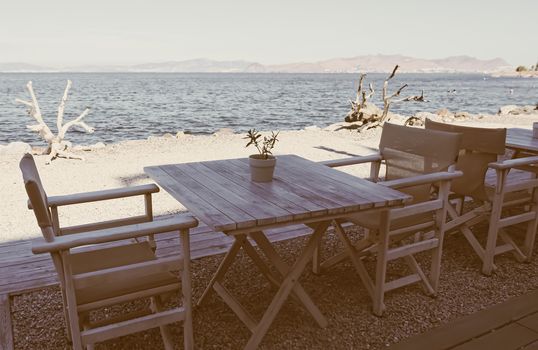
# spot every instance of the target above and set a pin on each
(519, 111)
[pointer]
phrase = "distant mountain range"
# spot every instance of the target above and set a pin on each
(366, 63)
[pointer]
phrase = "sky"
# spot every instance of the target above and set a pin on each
(98, 32)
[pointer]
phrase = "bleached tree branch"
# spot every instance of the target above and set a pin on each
(28, 104)
(61, 107)
(35, 105)
(387, 99)
(359, 88)
(78, 121)
(35, 112)
(371, 116)
(57, 146)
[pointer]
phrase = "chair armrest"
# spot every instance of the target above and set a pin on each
(513, 163)
(421, 179)
(352, 161)
(86, 197)
(113, 234)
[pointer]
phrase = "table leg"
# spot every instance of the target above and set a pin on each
(353, 254)
(283, 269)
(265, 270)
(316, 258)
(224, 266)
(276, 280)
(381, 267)
(289, 283)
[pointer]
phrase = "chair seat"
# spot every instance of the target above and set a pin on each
(371, 220)
(113, 257)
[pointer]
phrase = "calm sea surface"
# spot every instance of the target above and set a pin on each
(137, 105)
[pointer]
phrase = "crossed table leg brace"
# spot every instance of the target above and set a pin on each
(286, 280)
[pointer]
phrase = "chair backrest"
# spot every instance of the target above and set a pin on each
(412, 151)
(37, 195)
(479, 147)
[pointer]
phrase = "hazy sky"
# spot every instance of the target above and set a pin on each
(71, 32)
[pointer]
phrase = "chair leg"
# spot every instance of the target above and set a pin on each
(66, 317)
(439, 232)
(85, 320)
(435, 270)
(381, 268)
(71, 303)
(516, 251)
(316, 257)
(532, 226)
(414, 266)
(186, 288)
(493, 231)
(156, 306)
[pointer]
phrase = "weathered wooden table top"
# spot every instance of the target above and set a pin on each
(221, 194)
(521, 139)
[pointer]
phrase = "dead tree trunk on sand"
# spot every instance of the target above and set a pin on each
(361, 101)
(366, 113)
(57, 146)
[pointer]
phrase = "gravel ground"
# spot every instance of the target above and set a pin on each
(38, 319)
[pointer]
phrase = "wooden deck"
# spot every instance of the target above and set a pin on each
(511, 325)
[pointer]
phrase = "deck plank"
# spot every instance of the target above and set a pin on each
(473, 326)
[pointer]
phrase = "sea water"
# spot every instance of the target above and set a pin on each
(137, 105)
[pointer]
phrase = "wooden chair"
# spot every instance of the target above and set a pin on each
(95, 273)
(415, 160)
(509, 199)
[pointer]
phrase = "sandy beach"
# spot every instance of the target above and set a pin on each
(121, 164)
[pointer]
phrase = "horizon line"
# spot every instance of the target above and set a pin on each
(163, 61)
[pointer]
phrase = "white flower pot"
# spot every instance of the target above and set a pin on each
(261, 170)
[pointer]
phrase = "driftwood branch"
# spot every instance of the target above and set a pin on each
(61, 106)
(78, 122)
(365, 115)
(366, 97)
(359, 89)
(387, 99)
(35, 112)
(57, 146)
(416, 98)
(361, 101)
(393, 72)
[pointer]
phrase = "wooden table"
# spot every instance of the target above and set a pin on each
(521, 140)
(221, 195)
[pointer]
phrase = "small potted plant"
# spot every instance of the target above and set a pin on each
(262, 165)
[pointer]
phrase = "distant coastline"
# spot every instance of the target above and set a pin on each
(365, 63)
